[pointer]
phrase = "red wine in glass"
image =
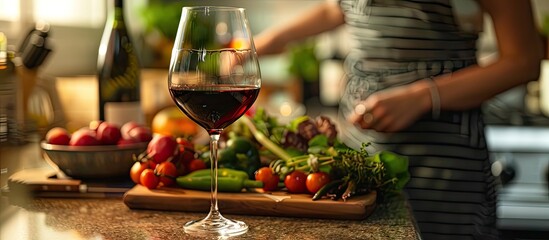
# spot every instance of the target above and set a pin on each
(214, 78)
(214, 107)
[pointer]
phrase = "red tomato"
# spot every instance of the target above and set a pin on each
(316, 181)
(186, 150)
(136, 170)
(149, 179)
(295, 182)
(196, 164)
(167, 173)
(180, 167)
(162, 147)
(268, 177)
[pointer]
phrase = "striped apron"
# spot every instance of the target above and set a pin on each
(396, 42)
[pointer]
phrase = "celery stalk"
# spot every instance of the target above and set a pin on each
(264, 140)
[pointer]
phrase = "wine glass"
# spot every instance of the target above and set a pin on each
(214, 79)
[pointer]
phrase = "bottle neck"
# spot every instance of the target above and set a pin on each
(118, 3)
(116, 10)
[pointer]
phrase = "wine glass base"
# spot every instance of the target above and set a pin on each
(219, 226)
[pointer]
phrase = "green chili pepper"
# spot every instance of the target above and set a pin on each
(326, 188)
(224, 184)
(221, 172)
(228, 180)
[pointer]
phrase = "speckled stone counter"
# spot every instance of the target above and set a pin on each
(23, 217)
(109, 218)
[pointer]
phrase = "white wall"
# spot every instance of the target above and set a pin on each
(75, 47)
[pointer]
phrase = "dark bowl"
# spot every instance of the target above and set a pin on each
(84, 162)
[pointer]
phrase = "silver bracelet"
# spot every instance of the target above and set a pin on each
(435, 98)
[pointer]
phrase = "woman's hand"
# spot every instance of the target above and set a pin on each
(393, 109)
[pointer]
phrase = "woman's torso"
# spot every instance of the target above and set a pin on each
(396, 42)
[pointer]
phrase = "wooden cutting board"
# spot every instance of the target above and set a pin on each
(47, 182)
(251, 203)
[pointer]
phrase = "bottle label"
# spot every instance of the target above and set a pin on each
(123, 112)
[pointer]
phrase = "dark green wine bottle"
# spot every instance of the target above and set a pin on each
(118, 71)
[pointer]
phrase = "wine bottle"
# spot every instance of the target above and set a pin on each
(118, 71)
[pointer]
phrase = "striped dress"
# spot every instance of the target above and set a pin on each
(396, 42)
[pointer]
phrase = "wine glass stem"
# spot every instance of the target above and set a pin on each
(214, 138)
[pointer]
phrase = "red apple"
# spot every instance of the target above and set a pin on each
(140, 133)
(125, 129)
(95, 124)
(58, 136)
(84, 137)
(108, 133)
(127, 141)
(162, 147)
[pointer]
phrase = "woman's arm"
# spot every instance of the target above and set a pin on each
(520, 52)
(321, 18)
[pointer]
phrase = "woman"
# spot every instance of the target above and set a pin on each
(414, 87)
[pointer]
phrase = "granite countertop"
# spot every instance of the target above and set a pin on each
(23, 216)
(110, 218)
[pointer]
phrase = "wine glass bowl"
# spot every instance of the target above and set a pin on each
(214, 78)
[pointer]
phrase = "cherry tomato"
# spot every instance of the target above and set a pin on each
(181, 167)
(162, 147)
(196, 164)
(316, 180)
(167, 173)
(268, 177)
(185, 143)
(186, 156)
(149, 179)
(295, 182)
(186, 151)
(136, 170)
(152, 164)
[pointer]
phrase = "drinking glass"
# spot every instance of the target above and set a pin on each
(214, 78)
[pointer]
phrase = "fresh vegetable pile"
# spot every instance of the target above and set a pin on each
(303, 156)
(308, 158)
(165, 159)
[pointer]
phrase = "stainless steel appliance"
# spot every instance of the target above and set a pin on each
(521, 155)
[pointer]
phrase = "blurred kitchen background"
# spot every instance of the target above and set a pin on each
(308, 79)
